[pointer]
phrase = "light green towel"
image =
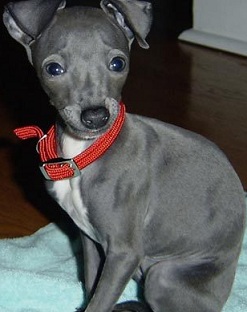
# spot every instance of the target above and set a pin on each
(39, 273)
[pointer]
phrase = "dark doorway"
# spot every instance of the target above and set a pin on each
(171, 17)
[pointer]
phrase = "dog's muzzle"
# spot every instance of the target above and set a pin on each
(95, 118)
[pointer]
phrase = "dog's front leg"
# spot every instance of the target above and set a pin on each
(118, 269)
(92, 264)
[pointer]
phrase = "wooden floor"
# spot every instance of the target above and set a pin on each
(193, 87)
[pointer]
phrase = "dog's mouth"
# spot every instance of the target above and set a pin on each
(91, 122)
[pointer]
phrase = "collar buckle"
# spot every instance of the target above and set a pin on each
(59, 163)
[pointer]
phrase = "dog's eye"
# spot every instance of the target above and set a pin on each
(54, 69)
(117, 64)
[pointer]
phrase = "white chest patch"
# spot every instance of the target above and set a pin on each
(68, 193)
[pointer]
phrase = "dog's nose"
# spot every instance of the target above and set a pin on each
(95, 118)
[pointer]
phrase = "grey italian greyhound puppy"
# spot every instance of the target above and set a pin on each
(161, 205)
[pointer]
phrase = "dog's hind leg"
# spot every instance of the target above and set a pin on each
(171, 286)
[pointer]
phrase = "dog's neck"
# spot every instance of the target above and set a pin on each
(69, 146)
(54, 168)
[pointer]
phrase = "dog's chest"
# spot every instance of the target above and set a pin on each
(68, 193)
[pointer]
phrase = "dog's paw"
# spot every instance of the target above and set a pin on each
(131, 306)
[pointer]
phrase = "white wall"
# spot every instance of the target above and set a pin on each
(223, 17)
(220, 24)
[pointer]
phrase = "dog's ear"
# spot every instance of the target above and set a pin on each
(25, 20)
(133, 16)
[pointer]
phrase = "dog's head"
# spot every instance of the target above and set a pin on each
(81, 55)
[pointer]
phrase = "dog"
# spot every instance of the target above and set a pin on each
(154, 202)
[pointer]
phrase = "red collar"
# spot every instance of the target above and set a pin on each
(55, 168)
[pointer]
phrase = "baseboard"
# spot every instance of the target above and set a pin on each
(214, 41)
